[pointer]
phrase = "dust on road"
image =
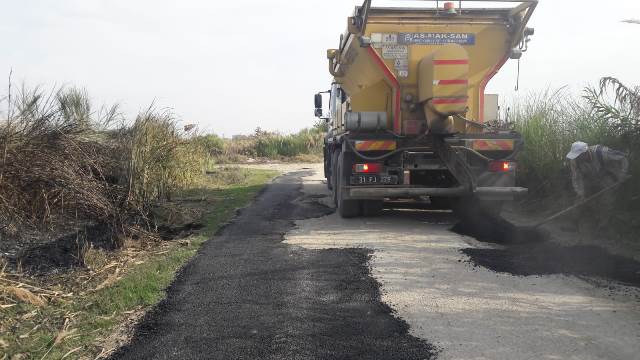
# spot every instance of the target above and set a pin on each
(471, 312)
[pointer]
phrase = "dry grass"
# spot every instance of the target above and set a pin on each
(83, 307)
(64, 163)
(57, 162)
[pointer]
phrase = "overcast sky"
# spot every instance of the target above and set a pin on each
(230, 66)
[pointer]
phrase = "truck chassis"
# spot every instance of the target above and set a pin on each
(446, 171)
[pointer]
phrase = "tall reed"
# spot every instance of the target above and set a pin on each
(66, 162)
(551, 121)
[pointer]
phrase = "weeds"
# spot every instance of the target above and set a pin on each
(272, 145)
(160, 158)
(63, 162)
(550, 122)
(56, 162)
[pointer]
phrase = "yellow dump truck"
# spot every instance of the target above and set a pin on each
(407, 106)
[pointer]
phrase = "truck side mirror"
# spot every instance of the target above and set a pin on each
(317, 99)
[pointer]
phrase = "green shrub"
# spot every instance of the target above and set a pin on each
(212, 144)
(264, 144)
(550, 122)
(161, 159)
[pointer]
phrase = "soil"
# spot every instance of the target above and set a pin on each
(179, 232)
(248, 295)
(63, 253)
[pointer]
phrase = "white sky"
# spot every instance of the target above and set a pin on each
(230, 66)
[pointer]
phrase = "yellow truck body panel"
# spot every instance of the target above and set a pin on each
(427, 67)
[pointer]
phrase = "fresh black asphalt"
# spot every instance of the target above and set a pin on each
(247, 295)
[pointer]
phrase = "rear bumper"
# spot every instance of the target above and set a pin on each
(483, 193)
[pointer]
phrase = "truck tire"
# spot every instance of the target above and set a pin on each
(333, 179)
(346, 208)
(371, 208)
(328, 168)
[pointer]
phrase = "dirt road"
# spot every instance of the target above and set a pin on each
(400, 286)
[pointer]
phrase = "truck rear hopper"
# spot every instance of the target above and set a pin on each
(406, 107)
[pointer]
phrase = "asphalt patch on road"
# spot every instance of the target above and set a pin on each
(548, 258)
(497, 230)
(527, 252)
(247, 295)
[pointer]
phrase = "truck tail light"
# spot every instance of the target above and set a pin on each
(502, 166)
(367, 168)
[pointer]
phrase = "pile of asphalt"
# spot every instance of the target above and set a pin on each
(548, 258)
(527, 252)
(247, 295)
(496, 230)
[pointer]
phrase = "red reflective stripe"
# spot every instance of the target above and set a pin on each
(395, 83)
(493, 145)
(441, 101)
(372, 145)
(451, 62)
(480, 145)
(452, 82)
(396, 121)
(383, 66)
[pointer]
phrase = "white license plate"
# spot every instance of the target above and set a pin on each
(373, 180)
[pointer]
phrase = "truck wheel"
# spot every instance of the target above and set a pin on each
(333, 179)
(371, 207)
(346, 208)
(328, 169)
